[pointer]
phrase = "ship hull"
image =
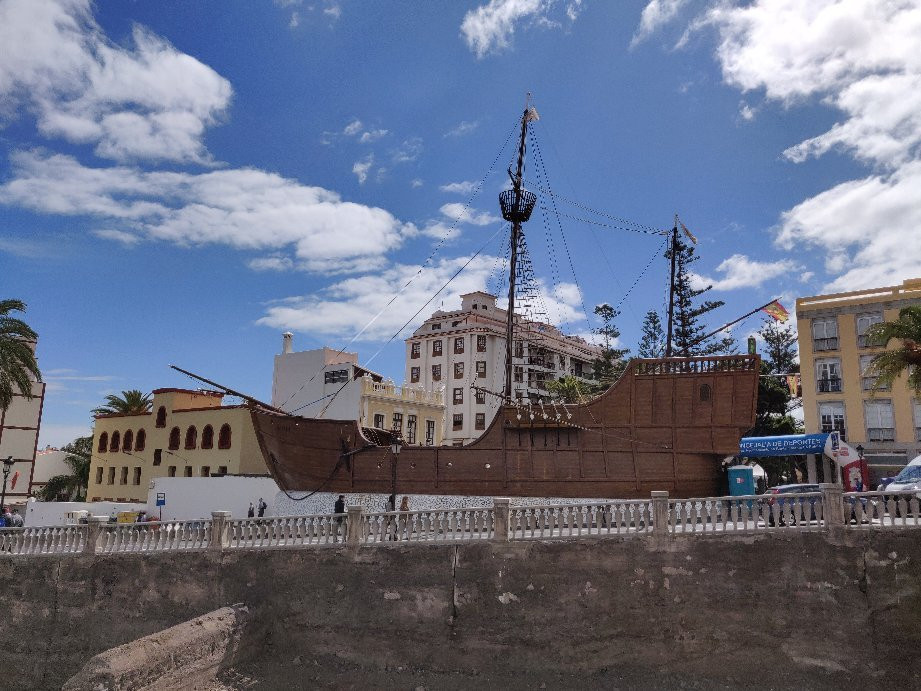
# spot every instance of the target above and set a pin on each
(664, 425)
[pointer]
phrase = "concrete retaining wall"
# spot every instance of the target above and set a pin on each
(778, 609)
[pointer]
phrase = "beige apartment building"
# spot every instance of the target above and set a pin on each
(457, 350)
(187, 434)
(838, 394)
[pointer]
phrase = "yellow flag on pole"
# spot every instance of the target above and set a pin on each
(776, 310)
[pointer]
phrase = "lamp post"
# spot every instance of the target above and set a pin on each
(395, 447)
(7, 467)
(864, 475)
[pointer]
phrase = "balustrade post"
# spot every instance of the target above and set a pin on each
(220, 533)
(500, 518)
(660, 513)
(353, 525)
(93, 531)
(832, 506)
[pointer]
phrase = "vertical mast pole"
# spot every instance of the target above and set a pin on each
(513, 257)
(671, 290)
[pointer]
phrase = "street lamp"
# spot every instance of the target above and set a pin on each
(7, 467)
(395, 447)
(864, 475)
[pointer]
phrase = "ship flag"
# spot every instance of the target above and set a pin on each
(776, 310)
(688, 232)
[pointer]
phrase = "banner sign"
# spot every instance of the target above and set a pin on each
(787, 445)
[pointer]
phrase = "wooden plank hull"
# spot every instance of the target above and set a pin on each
(664, 425)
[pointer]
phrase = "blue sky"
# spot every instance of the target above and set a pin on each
(181, 182)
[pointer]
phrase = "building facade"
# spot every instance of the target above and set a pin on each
(837, 391)
(325, 383)
(458, 350)
(186, 434)
(19, 428)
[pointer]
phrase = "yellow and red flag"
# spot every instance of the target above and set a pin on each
(776, 310)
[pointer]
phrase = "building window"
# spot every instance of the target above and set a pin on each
(480, 396)
(458, 370)
(174, 439)
(337, 376)
(140, 441)
(98, 476)
(158, 456)
(831, 418)
(519, 374)
(880, 424)
(429, 432)
(223, 437)
(458, 396)
(825, 334)
(828, 375)
(481, 344)
(171, 471)
(110, 479)
(436, 348)
(188, 471)
(864, 322)
(410, 429)
(379, 420)
(480, 421)
(436, 326)
(414, 374)
(436, 372)
(161, 416)
(519, 394)
(222, 470)
(414, 350)
(459, 345)
(114, 444)
(398, 423)
(123, 476)
(917, 408)
(207, 437)
(458, 421)
(867, 378)
(481, 369)
(103, 442)
(206, 471)
(704, 392)
(128, 441)
(136, 480)
(519, 349)
(191, 437)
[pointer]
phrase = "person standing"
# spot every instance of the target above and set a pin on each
(17, 519)
(251, 513)
(262, 507)
(339, 506)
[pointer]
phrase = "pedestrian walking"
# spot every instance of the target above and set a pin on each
(339, 506)
(262, 507)
(17, 519)
(252, 511)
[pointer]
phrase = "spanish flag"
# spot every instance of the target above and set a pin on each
(793, 383)
(776, 310)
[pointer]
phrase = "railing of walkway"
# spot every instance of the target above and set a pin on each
(659, 516)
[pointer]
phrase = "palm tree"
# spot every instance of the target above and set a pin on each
(888, 366)
(129, 403)
(71, 487)
(569, 390)
(18, 366)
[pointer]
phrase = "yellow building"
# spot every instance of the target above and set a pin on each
(417, 414)
(838, 394)
(187, 434)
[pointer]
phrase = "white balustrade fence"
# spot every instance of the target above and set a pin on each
(660, 516)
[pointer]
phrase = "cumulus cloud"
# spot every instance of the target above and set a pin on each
(464, 127)
(362, 167)
(247, 209)
(142, 100)
(741, 272)
(489, 28)
(465, 187)
(372, 136)
(353, 128)
(655, 15)
(408, 151)
(462, 214)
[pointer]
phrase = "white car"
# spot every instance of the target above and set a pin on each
(907, 480)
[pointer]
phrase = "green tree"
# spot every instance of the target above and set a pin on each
(72, 486)
(687, 328)
(129, 403)
(905, 356)
(569, 390)
(611, 364)
(652, 344)
(18, 366)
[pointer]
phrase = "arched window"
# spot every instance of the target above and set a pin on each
(103, 442)
(223, 437)
(191, 437)
(140, 440)
(116, 439)
(161, 416)
(207, 437)
(128, 441)
(705, 392)
(174, 438)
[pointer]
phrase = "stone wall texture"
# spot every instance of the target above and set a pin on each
(769, 611)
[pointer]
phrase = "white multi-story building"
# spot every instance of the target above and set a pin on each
(465, 348)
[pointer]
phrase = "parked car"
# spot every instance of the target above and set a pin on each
(907, 481)
(781, 495)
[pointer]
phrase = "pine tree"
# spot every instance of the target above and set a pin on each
(611, 364)
(687, 328)
(652, 344)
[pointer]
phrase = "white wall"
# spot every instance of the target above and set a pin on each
(191, 498)
(40, 513)
(298, 379)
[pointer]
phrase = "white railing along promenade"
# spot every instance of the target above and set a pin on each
(657, 517)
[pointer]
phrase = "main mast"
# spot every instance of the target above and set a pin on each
(517, 205)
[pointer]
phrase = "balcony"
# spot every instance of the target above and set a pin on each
(880, 434)
(389, 390)
(825, 343)
(829, 385)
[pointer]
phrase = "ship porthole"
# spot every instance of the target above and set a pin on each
(487, 466)
(450, 465)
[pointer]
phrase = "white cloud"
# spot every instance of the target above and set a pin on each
(464, 127)
(361, 168)
(416, 183)
(458, 212)
(127, 239)
(741, 272)
(333, 11)
(655, 15)
(372, 136)
(243, 208)
(295, 20)
(143, 101)
(489, 28)
(408, 151)
(465, 187)
(353, 128)
(271, 263)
